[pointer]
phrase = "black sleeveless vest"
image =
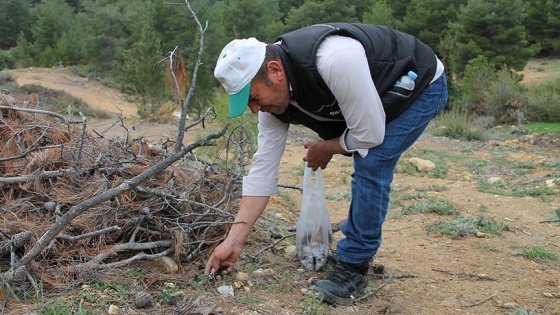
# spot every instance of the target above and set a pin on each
(390, 55)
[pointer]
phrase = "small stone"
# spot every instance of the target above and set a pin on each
(170, 265)
(113, 310)
(481, 235)
(549, 295)
(241, 276)
(422, 165)
(550, 183)
(226, 290)
(493, 180)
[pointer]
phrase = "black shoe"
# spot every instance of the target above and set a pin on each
(346, 283)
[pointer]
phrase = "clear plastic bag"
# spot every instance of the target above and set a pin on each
(313, 231)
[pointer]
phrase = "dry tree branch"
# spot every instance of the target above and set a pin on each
(83, 135)
(120, 120)
(31, 177)
(179, 151)
(87, 235)
(44, 112)
(30, 150)
(56, 173)
(184, 108)
(76, 210)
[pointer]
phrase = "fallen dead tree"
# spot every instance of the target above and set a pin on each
(73, 200)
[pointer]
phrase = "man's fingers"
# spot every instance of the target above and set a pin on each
(212, 265)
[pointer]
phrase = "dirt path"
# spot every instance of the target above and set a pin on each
(433, 273)
(91, 92)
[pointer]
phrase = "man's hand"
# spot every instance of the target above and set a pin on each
(318, 153)
(225, 254)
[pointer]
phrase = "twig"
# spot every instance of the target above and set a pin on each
(90, 234)
(190, 94)
(102, 134)
(291, 187)
(400, 276)
(54, 174)
(44, 112)
(30, 150)
(479, 302)
(273, 244)
(550, 221)
(479, 276)
(537, 179)
(179, 200)
(97, 261)
(522, 231)
(8, 294)
(83, 135)
(374, 290)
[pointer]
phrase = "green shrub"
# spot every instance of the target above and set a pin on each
(544, 102)
(456, 124)
(464, 226)
(505, 98)
(6, 76)
(47, 58)
(437, 206)
(7, 61)
(478, 75)
(540, 254)
(469, 97)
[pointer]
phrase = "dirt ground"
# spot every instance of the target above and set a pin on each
(432, 274)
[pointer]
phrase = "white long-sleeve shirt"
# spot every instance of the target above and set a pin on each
(342, 64)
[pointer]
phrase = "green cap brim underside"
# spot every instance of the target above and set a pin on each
(238, 101)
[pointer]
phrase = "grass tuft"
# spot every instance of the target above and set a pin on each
(437, 206)
(540, 254)
(466, 226)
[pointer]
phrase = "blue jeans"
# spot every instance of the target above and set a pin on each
(373, 174)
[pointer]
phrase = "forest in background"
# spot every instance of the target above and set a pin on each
(124, 42)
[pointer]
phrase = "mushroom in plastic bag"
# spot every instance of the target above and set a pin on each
(313, 231)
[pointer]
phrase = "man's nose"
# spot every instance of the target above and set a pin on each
(254, 107)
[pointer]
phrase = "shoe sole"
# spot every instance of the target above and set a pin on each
(337, 300)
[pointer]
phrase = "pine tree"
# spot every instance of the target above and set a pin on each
(493, 29)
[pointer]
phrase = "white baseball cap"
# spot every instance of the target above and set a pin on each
(237, 65)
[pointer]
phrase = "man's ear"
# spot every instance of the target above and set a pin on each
(275, 70)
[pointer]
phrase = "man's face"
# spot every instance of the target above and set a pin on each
(273, 97)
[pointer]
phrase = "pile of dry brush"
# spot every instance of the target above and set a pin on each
(73, 200)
